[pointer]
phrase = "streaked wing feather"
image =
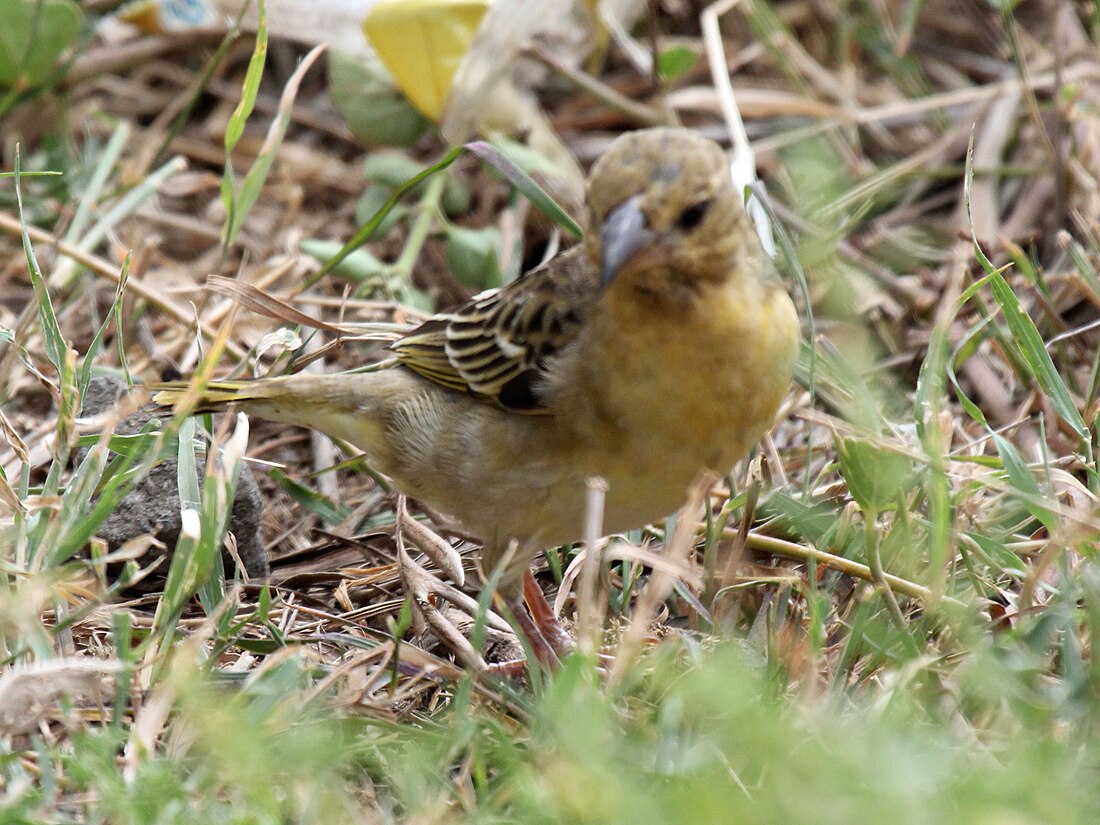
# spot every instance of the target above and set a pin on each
(499, 344)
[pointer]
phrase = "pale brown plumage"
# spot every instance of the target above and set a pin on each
(660, 347)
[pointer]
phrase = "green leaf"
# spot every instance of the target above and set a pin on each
(187, 468)
(390, 169)
(237, 121)
(674, 62)
(135, 446)
(526, 185)
(969, 344)
(51, 330)
(473, 256)
(33, 35)
(1035, 354)
(359, 266)
(531, 190)
(321, 506)
(97, 340)
(96, 489)
(999, 554)
(456, 198)
(257, 175)
(877, 478)
(1021, 478)
(834, 378)
(364, 94)
(372, 202)
(370, 228)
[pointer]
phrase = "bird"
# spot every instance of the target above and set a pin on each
(659, 347)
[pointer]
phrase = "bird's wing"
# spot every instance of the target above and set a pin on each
(498, 345)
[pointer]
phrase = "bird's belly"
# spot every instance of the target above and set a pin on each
(643, 484)
(636, 500)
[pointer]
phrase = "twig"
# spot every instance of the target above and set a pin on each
(678, 547)
(590, 618)
(632, 110)
(788, 549)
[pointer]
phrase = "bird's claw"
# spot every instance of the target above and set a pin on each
(425, 588)
(548, 640)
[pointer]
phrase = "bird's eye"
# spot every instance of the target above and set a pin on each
(693, 216)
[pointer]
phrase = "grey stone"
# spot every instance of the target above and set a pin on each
(153, 505)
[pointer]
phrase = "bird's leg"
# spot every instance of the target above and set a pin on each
(423, 586)
(535, 620)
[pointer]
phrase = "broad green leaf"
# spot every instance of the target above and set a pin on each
(33, 35)
(531, 190)
(372, 202)
(877, 478)
(473, 256)
(390, 169)
(364, 94)
(358, 266)
(674, 62)
(370, 228)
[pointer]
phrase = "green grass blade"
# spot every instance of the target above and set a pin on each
(238, 120)
(254, 179)
(526, 185)
(105, 163)
(97, 341)
(1019, 475)
(512, 173)
(367, 230)
(1023, 329)
(51, 330)
(127, 205)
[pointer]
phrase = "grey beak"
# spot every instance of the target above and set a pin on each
(622, 235)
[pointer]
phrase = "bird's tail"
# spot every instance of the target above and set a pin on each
(216, 395)
(348, 406)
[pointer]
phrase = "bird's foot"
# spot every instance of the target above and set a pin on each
(535, 620)
(426, 591)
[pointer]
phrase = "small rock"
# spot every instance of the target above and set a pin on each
(153, 505)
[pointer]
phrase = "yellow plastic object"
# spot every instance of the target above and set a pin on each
(422, 42)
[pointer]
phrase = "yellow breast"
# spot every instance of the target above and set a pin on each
(683, 391)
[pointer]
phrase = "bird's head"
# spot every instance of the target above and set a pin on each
(663, 212)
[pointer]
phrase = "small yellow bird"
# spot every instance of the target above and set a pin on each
(659, 347)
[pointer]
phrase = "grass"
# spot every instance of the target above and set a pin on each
(888, 613)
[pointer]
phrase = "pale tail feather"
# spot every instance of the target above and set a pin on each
(350, 407)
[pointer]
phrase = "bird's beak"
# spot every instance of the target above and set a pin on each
(623, 234)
